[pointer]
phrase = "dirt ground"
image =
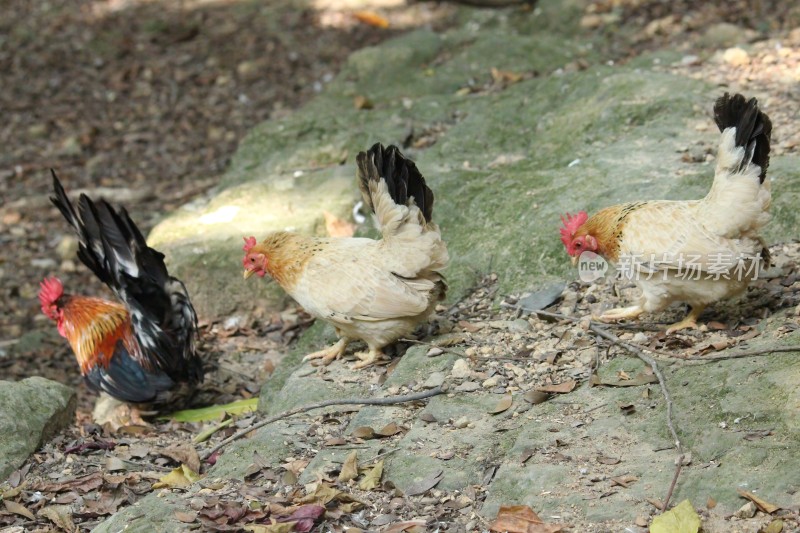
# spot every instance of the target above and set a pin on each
(149, 100)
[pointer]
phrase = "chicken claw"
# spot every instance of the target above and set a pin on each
(690, 322)
(367, 359)
(620, 313)
(329, 354)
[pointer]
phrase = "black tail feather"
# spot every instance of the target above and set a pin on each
(753, 128)
(403, 179)
(162, 315)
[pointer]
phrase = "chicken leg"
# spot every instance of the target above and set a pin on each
(329, 354)
(621, 313)
(690, 322)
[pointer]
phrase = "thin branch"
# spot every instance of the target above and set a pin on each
(388, 400)
(753, 353)
(678, 466)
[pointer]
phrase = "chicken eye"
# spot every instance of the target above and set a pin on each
(578, 244)
(252, 259)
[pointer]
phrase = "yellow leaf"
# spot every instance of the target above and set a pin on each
(349, 468)
(761, 504)
(680, 519)
(180, 478)
(372, 479)
(371, 18)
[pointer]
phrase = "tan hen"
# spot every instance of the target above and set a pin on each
(373, 290)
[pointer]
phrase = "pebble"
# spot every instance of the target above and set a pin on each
(433, 352)
(434, 380)
(44, 263)
(461, 369)
(490, 382)
(461, 423)
(519, 326)
(468, 386)
(747, 510)
(736, 56)
(640, 338)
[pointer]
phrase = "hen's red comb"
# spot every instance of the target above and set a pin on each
(571, 225)
(249, 242)
(50, 290)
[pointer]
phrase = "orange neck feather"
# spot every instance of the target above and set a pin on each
(606, 226)
(287, 254)
(93, 327)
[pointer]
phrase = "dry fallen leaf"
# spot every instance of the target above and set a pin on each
(504, 403)
(469, 326)
(388, 430)
(83, 484)
(18, 509)
(624, 481)
(183, 453)
(566, 386)
(602, 459)
(372, 479)
(349, 468)
(364, 432)
(536, 397)
(409, 526)
(761, 504)
(521, 519)
(424, 485)
(505, 76)
(60, 515)
(186, 518)
(371, 18)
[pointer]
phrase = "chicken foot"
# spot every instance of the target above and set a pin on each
(620, 313)
(368, 358)
(329, 354)
(690, 322)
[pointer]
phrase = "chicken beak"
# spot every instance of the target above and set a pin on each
(574, 260)
(248, 273)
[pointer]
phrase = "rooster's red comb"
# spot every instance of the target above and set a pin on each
(571, 225)
(50, 290)
(249, 242)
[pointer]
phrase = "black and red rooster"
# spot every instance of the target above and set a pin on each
(142, 348)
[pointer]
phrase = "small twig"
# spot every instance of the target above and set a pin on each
(388, 400)
(678, 467)
(765, 351)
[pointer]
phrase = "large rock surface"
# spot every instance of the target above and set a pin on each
(504, 162)
(32, 411)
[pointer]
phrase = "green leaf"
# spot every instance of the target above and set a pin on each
(205, 435)
(680, 519)
(213, 412)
